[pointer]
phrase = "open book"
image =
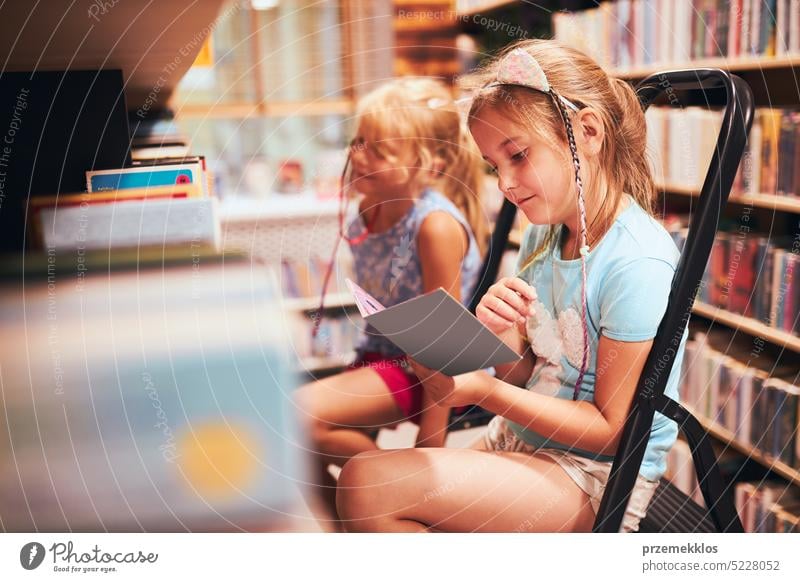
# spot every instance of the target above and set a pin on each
(436, 330)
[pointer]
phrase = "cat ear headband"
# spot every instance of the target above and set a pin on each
(520, 68)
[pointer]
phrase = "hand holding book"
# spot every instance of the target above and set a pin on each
(448, 391)
(506, 304)
(437, 331)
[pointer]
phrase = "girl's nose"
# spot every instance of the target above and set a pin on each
(506, 184)
(358, 154)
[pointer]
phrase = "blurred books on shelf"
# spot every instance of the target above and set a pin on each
(750, 395)
(681, 473)
(153, 202)
(305, 278)
(681, 143)
(767, 507)
(157, 138)
(149, 394)
(752, 275)
(629, 34)
(340, 326)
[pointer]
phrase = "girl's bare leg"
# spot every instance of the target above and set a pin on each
(460, 490)
(338, 413)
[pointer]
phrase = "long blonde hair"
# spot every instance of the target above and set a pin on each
(419, 114)
(623, 166)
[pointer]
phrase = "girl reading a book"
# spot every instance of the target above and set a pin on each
(567, 143)
(418, 228)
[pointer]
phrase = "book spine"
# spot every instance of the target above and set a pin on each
(785, 181)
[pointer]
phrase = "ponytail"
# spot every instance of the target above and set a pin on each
(631, 167)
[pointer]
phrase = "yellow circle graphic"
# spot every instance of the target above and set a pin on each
(219, 459)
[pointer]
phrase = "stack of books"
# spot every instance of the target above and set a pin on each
(157, 138)
(156, 202)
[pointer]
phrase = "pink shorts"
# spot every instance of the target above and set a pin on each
(399, 379)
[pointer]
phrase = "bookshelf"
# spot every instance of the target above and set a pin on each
(282, 86)
(748, 325)
(425, 42)
(768, 201)
(291, 58)
(466, 8)
(739, 65)
(192, 365)
(632, 40)
(308, 304)
(314, 365)
(729, 439)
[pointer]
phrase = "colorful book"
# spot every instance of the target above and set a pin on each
(146, 176)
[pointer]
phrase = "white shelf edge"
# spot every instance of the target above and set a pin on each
(312, 303)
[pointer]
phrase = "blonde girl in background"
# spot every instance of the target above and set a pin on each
(567, 143)
(419, 227)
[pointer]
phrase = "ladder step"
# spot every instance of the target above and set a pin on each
(671, 511)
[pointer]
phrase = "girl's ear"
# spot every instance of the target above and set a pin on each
(589, 130)
(438, 165)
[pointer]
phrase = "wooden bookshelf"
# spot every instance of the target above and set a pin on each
(61, 36)
(424, 38)
(268, 109)
(733, 65)
(486, 6)
(748, 325)
(312, 364)
(768, 201)
(307, 304)
(725, 436)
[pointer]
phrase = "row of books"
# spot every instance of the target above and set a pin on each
(754, 398)
(153, 202)
(636, 33)
(338, 336)
(306, 278)
(766, 507)
(340, 329)
(763, 506)
(681, 143)
(157, 138)
(750, 274)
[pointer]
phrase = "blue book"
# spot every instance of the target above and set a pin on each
(149, 175)
(140, 178)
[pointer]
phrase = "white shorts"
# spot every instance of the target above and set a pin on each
(590, 475)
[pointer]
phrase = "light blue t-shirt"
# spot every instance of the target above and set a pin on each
(629, 275)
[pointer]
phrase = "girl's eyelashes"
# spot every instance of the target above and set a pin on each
(517, 157)
(520, 155)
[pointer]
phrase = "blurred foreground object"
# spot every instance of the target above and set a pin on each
(145, 391)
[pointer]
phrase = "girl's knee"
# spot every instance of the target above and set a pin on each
(310, 415)
(357, 496)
